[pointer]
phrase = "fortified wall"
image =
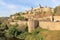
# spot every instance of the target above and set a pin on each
(42, 17)
(32, 24)
(49, 25)
(45, 24)
(21, 24)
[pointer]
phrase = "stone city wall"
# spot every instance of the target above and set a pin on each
(32, 24)
(50, 25)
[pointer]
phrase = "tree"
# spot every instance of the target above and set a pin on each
(53, 17)
(12, 31)
(57, 10)
(31, 10)
(20, 18)
(0, 22)
(3, 27)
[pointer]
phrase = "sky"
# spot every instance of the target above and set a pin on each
(9, 7)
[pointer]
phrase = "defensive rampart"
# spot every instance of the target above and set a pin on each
(50, 25)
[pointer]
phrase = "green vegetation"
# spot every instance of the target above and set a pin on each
(11, 32)
(57, 10)
(37, 34)
(20, 18)
(23, 34)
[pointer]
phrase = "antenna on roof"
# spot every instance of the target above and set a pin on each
(46, 6)
(31, 8)
(39, 5)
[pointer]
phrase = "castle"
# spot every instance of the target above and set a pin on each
(40, 16)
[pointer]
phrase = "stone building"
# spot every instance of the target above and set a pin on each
(39, 11)
(34, 16)
(32, 24)
(57, 18)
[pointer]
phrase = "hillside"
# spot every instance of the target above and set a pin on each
(19, 24)
(3, 18)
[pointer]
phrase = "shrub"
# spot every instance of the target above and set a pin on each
(20, 18)
(3, 26)
(22, 35)
(11, 32)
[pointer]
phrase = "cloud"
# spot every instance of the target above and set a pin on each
(56, 2)
(14, 6)
(52, 3)
(30, 3)
(10, 6)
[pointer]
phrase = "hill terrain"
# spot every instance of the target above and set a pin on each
(16, 25)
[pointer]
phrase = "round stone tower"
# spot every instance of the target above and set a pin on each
(32, 24)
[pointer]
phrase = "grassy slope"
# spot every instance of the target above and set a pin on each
(51, 35)
(3, 19)
(45, 35)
